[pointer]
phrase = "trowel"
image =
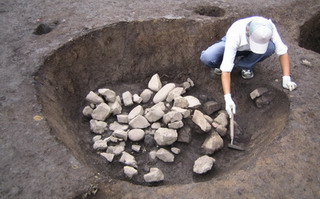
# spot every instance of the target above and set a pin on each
(231, 145)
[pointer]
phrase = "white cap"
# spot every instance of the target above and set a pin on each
(260, 33)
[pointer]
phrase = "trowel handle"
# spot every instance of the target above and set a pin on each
(231, 126)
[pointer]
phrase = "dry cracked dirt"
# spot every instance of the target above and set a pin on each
(54, 52)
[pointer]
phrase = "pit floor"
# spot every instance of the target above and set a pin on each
(34, 164)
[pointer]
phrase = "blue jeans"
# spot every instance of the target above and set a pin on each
(212, 56)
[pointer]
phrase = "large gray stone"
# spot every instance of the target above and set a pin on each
(120, 134)
(87, 111)
(116, 126)
(130, 171)
(108, 156)
(138, 110)
(193, 101)
(154, 115)
(165, 155)
(123, 119)
(128, 159)
(175, 125)
(127, 98)
(162, 94)
(139, 122)
(137, 99)
(185, 112)
(203, 164)
(222, 119)
(213, 143)
(116, 107)
(155, 175)
(165, 136)
(184, 134)
(199, 119)
(176, 92)
(136, 134)
(172, 116)
(258, 92)
(146, 95)
(109, 95)
(100, 145)
(98, 127)
(94, 98)
(211, 107)
(116, 150)
(155, 83)
(101, 112)
(181, 102)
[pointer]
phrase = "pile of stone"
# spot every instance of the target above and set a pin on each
(262, 96)
(160, 124)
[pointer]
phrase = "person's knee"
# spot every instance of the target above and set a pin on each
(207, 59)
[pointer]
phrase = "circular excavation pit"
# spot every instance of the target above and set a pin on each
(123, 57)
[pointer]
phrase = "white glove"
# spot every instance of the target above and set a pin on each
(288, 84)
(230, 105)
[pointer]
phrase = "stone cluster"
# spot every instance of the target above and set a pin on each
(159, 124)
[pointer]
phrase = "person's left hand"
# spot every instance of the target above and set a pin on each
(288, 84)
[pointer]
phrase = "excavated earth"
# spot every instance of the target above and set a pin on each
(54, 52)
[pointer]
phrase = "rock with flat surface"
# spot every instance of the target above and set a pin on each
(193, 101)
(100, 145)
(162, 94)
(87, 111)
(130, 171)
(116, 150)
(211, 107)
(101, 112)
(116, 108)
(180, 102)
(108, 94)
(165, 136)
(199, 119)
(116, 126)
(146, 95)
(139, 122)
(98, 127)
(92, 97)
(213, 143)
(136, 134)
(108, 156)
(222, 119)
(128, 159)
(120, 134)
(154, 115)
(172, 116)
(176, 92)
(137, 99)
(138, 110)
(156, 125)
(184, 134)
(165, 155)
(159, 105)
(185, 112)
(127, 98)
(123, 119)
(258, 92)
(155, 175)
(203, 164)
(175, 125)
(175, 150)
(155, 83)
(136, 147)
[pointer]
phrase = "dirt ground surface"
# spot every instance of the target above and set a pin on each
(41, 154)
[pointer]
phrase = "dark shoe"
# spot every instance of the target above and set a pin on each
(247, 74)
(215, 72)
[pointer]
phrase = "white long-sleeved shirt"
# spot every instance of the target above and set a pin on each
(236, 40)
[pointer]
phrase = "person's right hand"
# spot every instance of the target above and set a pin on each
(230, 105)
